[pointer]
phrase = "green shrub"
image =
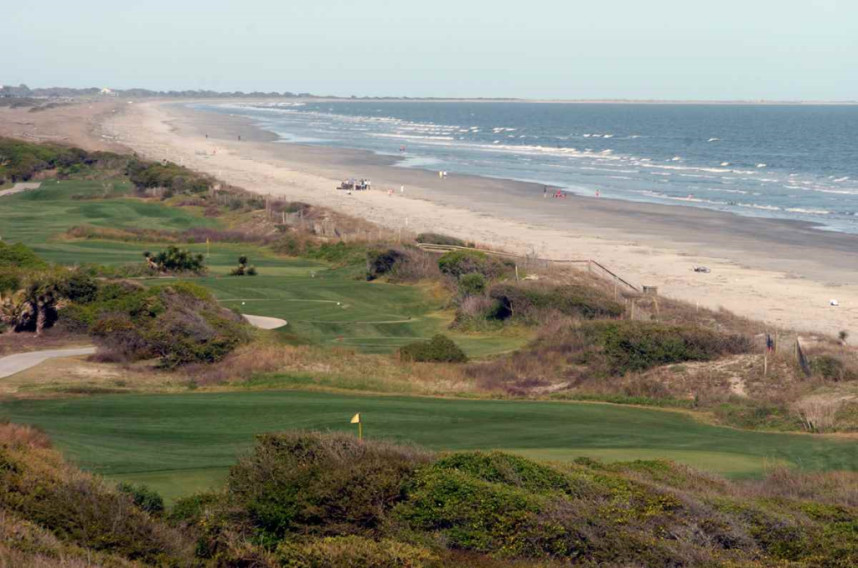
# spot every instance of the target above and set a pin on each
(472, 284)
(439, 349)
(307, 482)
(20, 161)
(79, 287)
(637, 346)
(438, 239)
(81, 510)
(481, 516)
(167, 175)
(175, 259)
(19, 256)
(832, 368)
(529, 301)
(459, 262)
(382, 262)
(191, 509)
(179, 323)
(353, 552)
(145, 498)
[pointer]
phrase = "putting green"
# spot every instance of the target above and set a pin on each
(178, 442)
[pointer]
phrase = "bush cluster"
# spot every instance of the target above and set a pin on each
(439, 239)
(175, 259)
(636, 346)
(331, 500)
(438, 349)
(20, 161)
(80, 510)
(460, 262)
(530, 300)
(178, 323)
(167, 175)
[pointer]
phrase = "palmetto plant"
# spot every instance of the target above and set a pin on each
(32, 304)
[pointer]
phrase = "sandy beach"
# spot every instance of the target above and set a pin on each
(784, 273)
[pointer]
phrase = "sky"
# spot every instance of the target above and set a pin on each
(546, 49)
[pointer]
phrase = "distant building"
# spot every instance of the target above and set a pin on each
(107, 92)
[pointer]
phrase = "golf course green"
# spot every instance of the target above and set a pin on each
(183, 443)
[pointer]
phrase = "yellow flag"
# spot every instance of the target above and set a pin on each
(355, 419)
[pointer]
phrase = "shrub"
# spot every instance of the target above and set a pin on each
(832, 368)
(318, 483)
(439, 349)
(353, 552)
(78, 287)
(179, 323)
(174, 259)
(637, 346)
(80, 510)
(170, 176)
(472, 284)
(381, 262)
(529, 301)
(438, 239)
(243, 269)
(459, 262)
(143, 497)
(19, 256)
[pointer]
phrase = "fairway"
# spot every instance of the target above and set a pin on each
(181, 443)
(325, 306)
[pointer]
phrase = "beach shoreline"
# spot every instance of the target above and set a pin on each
(781, 272)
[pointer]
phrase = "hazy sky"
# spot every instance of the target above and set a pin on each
(677, 49)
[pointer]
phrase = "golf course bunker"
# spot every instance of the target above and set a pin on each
(264, 322)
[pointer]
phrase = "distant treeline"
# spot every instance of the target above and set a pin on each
(23, 91)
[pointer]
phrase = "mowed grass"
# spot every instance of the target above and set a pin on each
(182, 443)
(322, 305)
(36, 218)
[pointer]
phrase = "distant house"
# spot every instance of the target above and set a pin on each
(107, 92)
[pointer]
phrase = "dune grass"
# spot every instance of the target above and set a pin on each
(177, 442)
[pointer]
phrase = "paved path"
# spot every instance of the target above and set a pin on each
(18, 362)
(19, 187)
(264, 322)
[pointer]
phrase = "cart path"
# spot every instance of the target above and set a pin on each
(18, 362)
(19, 187)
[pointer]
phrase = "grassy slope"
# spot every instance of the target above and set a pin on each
(173, 441)
(372, 317)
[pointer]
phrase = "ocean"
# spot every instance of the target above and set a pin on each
(777, 161)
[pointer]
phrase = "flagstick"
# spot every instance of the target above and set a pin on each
(360, 430)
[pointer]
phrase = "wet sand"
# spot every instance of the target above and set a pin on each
(781, 272)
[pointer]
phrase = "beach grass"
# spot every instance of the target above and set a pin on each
(180, 443)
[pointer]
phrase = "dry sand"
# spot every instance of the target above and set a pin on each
(783, 273)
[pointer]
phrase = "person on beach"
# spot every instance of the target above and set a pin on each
(545, 191)
(401, 189)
